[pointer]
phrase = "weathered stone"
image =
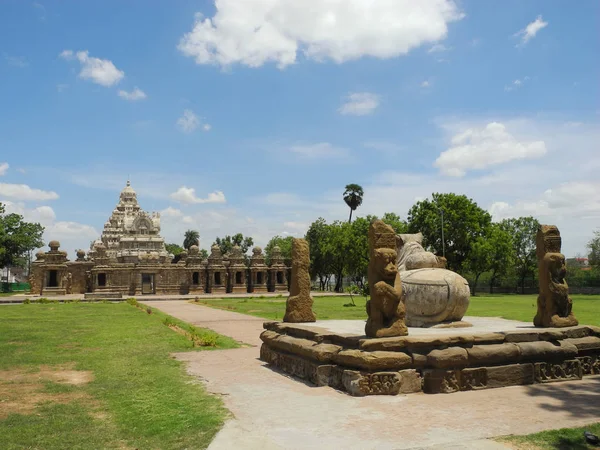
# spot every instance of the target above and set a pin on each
(373, 361)
(258, 271)
(298, 331)
(437, 381)
(413, 342)
(509, 375)
(410, 381)
(554, 306)
(584, 343)
(451, 357)
(488, 338)
(360, 384)
(299, 304)
(345, 340)
(546, 372)
(432, 294)
(302, 347)
(590, 364)
(579, 331)
(521, 336)
(544, 350)
(419, 359)
(473, 379)
(291, 364)
(482, 355)
(551, 335)
(385, 310)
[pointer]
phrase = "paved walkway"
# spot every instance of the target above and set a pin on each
(273, 411)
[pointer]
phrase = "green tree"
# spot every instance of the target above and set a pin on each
(17, 239)
(463, 222)
(353, 196)
(227, 243)
(191, 237)
(523, 231)
(594, 247)
(174, 249)
(392, 219)
(317, 236)
(503, 253)
(284, 243)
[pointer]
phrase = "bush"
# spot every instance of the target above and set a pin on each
(132, 301)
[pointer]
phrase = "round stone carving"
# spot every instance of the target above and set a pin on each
(433, 296)
(54, 245)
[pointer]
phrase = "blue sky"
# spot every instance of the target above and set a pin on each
(253, 118)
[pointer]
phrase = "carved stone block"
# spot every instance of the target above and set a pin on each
(360, 384)
(590, 365)
(546, 372)
(473, 379)
(510, 375)
(410, 381)
(441, 381)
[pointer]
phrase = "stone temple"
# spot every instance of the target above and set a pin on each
(130, 258)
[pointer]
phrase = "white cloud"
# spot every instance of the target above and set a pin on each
(171, 212)
(359, 104)
(387, 148)
(516, 84)
(321, 150)
(99, 71)
(425, 84)
(3, 168)
(136, 94)
(189, 122)
(25, 193)
(438, 48)
(478, 148)
(188, 196)
(255, 32)
(530, 30)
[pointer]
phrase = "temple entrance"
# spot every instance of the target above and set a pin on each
(217, 278)
(279, 277)
(238, 278)
(196, 278)
(147, 283)
(101, 279)
(259, 278)
(52, 278)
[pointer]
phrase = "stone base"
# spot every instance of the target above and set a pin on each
(239, 289)
(51, 292)
(436, 361)
(102, 295)
(218, 290)
(259, 289)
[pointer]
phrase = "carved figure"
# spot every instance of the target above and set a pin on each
(67, 280)
(385, 309)
(554, 306)
(431, 293)
(298, 307)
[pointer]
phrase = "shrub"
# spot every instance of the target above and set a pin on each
(149, 310)
(132, 301)
(26, 301)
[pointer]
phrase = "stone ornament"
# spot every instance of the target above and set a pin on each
(554, 306)
(298, 307)
(432, 294)
(386, 311)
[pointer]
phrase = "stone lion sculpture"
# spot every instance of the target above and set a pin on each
(385, 309)
(431, 293)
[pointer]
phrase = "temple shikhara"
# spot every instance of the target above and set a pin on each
(130, 258)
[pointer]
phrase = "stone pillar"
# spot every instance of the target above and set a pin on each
(386, 310)
(298, 307)
(258, 272)
(554, 306)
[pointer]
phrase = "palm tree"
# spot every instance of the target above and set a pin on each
(192, 237)
(353, 196)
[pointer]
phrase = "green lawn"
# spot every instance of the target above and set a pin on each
(516, 307)
(135, 395)
(563, 439)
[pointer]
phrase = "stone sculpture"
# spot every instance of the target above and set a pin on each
(298, 307)
(432, 294)
(385, 309)
(554, 306)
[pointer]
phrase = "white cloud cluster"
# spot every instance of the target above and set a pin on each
(99, 71)
(135, 95)
(478, 148)
(255, 32)
(189, 122)
(529, 32)
(359, 104)
(4, 168)
(187, 195)
(516, 84)
(25, 193)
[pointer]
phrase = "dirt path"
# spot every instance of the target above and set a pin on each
(273, 411)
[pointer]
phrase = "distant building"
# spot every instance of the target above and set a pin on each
(578, 263)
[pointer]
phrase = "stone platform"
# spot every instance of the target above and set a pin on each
(492, 353)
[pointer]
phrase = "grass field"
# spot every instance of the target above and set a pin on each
(100, 376)
(562, 439)
(515, 307)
